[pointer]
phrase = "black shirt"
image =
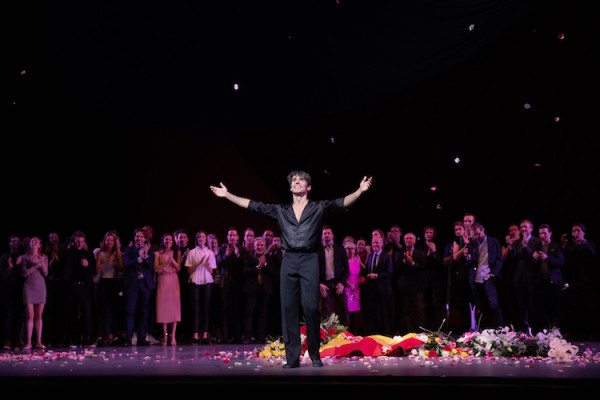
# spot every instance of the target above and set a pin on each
(304, 235)
(74, 271)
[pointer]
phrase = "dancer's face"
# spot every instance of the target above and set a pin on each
(299, 186)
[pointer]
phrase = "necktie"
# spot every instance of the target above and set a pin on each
(259, 274)
(375, 259)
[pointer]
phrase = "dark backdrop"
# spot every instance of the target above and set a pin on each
(121, 113)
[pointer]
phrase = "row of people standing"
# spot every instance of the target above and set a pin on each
(394, 284)
(532, 281)
(380, 286)
(526, 281)
(37, 278)
(109, 294)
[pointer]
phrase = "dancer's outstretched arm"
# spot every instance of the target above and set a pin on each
(365, 184)
(223, 192)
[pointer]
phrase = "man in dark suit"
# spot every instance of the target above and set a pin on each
(334, 269)
(581, 274)
(376, 292)
(259, 268)
(230, 261)
(548, 290)
(526, 275)
(484, 260)
(411, 278)
(139, 283)
(11, 293)
(78, 270)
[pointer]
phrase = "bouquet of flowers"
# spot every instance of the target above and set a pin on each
(438, 345)
(501, 342)
(274, 348)
(330, 329)
(552, 344)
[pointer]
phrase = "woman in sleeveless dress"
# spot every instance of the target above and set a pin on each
(34, 266)
(167, 263)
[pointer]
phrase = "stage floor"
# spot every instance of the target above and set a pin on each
(236, 368)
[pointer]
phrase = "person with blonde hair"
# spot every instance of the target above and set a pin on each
(34, 266)
(109, 263)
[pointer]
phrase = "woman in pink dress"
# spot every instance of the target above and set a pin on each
(167, 263)
(353, 284)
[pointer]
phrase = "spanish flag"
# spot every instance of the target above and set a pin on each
(346, 344)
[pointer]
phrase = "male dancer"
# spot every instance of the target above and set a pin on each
(300, 223)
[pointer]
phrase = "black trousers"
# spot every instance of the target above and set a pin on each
(200, 296)
(486, 299)
(79, 308)
(335, 303)
(257, 309)
(300, 291)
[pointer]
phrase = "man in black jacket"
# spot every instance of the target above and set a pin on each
(259, 270)
(410, 276)
(334, 269)
(139, 283)
(551, 259)
(582, 274)
(230, 261)
(484, 260)
(79, 268)
(11, 293)
(376, 292)
(526, 275)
